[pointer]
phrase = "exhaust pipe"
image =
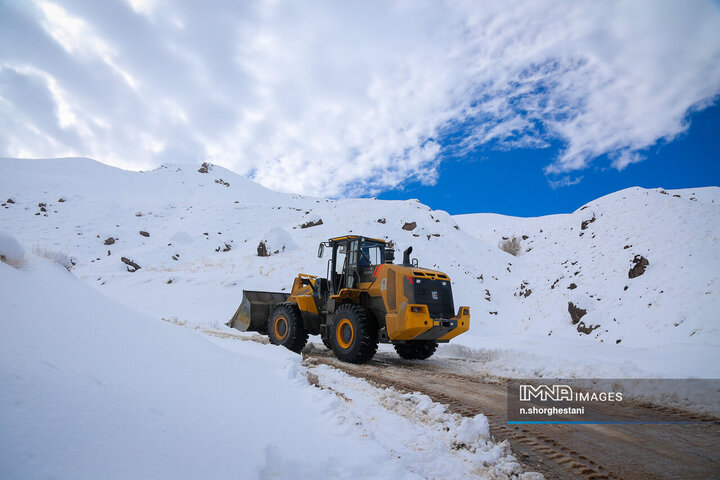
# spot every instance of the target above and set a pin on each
(406, 256)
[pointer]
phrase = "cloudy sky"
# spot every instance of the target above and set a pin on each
(354, 98)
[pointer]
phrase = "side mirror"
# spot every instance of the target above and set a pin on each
(321, 250)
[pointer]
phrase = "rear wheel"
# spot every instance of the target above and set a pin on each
(354, 335)
(416, 349)
(285, 327)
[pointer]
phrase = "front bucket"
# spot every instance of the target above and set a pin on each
(254, 310)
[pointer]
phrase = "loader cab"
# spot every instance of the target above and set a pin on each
(352, 261)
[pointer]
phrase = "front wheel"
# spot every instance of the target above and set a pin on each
(354, 335)
(416, 349)
(285, 327)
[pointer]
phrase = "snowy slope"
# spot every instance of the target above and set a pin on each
(204, 230)
(92, 389)
(585, 258)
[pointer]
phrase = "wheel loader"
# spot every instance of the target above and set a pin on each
(364, 299)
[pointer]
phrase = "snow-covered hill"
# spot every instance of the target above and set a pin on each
(643, 264)
(196, 233)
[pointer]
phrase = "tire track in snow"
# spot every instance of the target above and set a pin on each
(591, 452)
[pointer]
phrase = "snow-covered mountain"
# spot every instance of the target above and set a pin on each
(97, 386)
(643, 264)
(198, 232)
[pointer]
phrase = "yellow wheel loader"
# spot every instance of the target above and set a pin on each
(364, 299)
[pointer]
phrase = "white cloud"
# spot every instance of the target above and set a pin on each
(340, 97)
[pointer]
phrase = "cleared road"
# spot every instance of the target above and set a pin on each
(558, 451)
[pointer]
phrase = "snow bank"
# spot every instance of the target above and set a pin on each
(11, 252)
(92, 389)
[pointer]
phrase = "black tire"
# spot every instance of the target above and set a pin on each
(416, 349)
(286, 328)
(327, 343)
(354, 335)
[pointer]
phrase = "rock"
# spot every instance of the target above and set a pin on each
(10, 200)
(205, 167)
(109, 241)
(131, 266)
(582, 328)
(640, 263)
(524, 237)
(576, 313)
(61, 200)
(572, 286)
(409, 226)
(262, 250)
(221, 181)
(312, 223)
(144, 234)
(380, 220)
(585, 224)
(618, 341)
(227, 248)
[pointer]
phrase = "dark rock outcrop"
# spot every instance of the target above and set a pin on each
(131, 266)
(640, 263)
(312, 224)
(576, 313)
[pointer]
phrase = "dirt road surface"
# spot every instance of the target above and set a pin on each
(625, 452)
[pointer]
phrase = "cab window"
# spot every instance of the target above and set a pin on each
(371, 254)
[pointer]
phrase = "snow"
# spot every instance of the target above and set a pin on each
(203, 251)
(93, 375)
(10, 250)
(92, 388)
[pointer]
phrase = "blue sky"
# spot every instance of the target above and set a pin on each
(513, 182)
(468, 106)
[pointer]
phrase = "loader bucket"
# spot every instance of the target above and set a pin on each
(254, 310)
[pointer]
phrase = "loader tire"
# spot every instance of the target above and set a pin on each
(327, 343)
(416, 349)
(286, 328)
(354, 336)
